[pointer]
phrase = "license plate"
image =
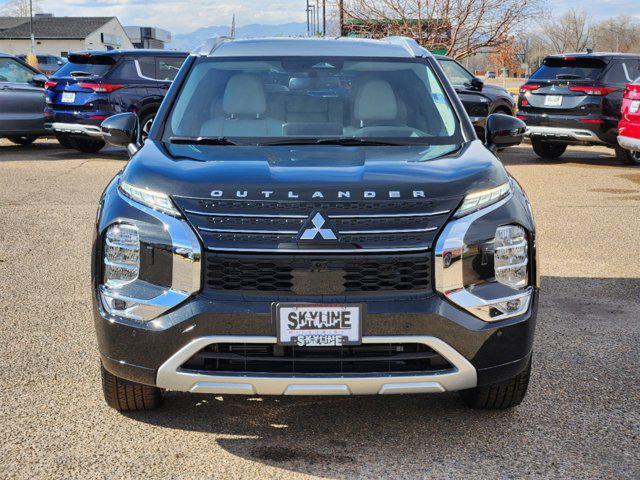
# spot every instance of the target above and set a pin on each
(634, 107)
(553, 100)
(317, 325)
(68, 97)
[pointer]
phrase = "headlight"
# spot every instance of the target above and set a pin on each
(482, 199)
(121, 255)
(511, 256)
(156, 200)
(481, 268)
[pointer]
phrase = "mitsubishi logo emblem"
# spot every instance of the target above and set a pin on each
(316, 228)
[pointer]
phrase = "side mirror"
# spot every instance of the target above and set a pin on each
(477, 84)
(503, 131)
(39, 79)
(122, 130)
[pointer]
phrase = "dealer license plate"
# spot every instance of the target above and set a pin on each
(553, 100)
(318, 325)
(68, 97)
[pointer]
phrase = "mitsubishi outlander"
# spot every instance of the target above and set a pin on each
(314, 217)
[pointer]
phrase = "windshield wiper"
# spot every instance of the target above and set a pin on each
(202, 141)
(79, 73)
(345, 142)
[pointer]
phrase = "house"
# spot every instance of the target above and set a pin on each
(61, 35)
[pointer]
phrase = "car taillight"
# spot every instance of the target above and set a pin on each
(530, 87)
(632, 92)
(49, 84)
(592, 90)
(100, 87)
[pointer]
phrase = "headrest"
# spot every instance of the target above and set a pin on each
(375, 100)
(244, 95)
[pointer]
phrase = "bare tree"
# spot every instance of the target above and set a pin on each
(619, 34)
(19, 8)
(460, 28)
(570, 32)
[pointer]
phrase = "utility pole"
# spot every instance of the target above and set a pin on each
(33, 38)
(308, 20)
(324, 18)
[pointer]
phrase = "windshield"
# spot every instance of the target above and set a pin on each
(285, 100)
(569, 68)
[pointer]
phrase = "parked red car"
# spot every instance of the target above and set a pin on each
(629, 127)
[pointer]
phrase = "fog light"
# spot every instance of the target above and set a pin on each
(121, 255)
(511, 256)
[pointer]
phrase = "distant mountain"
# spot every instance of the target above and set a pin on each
(189, 41)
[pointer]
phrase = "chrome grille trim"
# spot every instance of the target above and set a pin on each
(392, 215)
(249, 232)
(372, 232)
(304, 217)
(244, 215)
(317, 250)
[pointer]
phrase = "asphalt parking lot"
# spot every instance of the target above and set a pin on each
(581, 418)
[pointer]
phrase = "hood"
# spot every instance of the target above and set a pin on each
(318, 198)
(441, 171)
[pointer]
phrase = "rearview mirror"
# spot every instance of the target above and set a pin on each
(122, 130)
(503, 131)
(39, 79)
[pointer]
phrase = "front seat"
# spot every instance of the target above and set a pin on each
(376, 110)
(244, 106)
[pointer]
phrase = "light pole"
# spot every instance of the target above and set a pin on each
(308, 22)
(324, 18)
(33, 38)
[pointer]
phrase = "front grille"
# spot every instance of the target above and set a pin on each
(250, 358)
(318, 275)
(275, 226)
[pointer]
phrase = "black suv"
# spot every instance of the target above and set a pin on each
(576, 99)
(314, 217)
(95, 85)
(479, 99)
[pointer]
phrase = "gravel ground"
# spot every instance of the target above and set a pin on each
(581, 418)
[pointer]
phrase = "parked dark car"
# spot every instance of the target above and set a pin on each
(576, 99)
(279, 234)
(47, 64)
(21, 101)
(479, 99)
(95, 85)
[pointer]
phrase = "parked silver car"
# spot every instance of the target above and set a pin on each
(21, 101)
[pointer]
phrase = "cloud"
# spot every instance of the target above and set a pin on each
(180, 16)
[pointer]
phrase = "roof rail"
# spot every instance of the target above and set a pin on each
(413, 47)
(209, 46)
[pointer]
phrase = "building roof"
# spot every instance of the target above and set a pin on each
(51, 27)
(331, 47)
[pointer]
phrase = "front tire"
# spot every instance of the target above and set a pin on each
(87, 145)
(548, 150)
(126, 396)
(23, 139)
(499, 396)
(627, 156)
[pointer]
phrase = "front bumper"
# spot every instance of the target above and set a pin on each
(75, 129)
(172, 377)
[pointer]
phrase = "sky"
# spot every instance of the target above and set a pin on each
(183, 16)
